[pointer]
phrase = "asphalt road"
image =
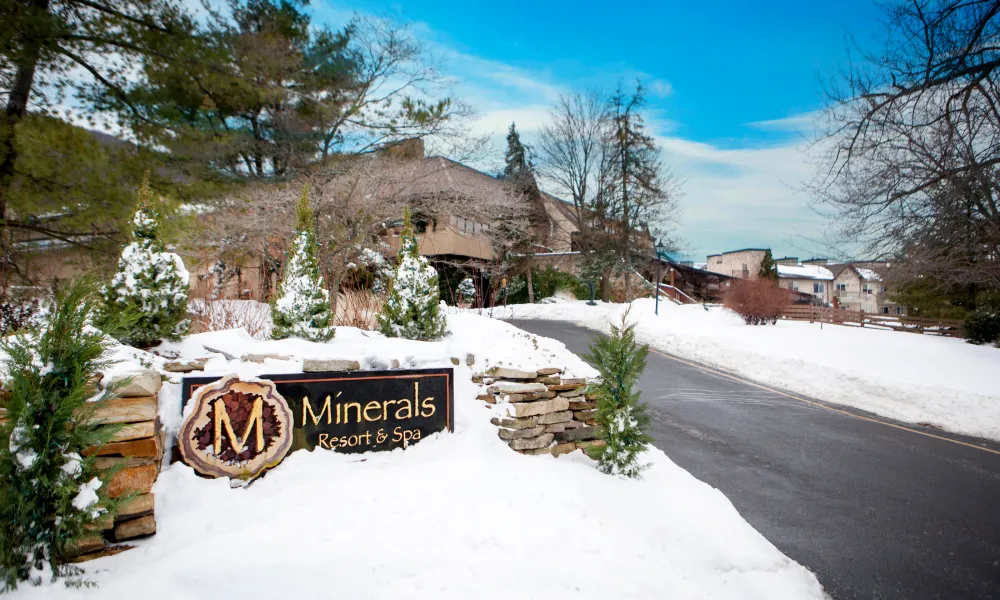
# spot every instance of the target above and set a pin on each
(875, 508)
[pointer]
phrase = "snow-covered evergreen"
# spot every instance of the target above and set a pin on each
(412, 310)
(50, 494)
(151, 284)
(467, 290)
(302, 307)
(621, 417)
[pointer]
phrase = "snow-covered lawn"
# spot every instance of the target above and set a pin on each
(915, 378)
(456, 516)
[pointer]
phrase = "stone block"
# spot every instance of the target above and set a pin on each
(541, 407)
(584, 415)
(529, 397)
(85, 545)
(185, 366)
(106, 551)
(127, 530)
(582, 405)
(577, 435)
(565, 387)
(526, 423)
(260, 358)
(520, 434)
(573, 393)
(455, 361)
(132, 409)
(511, 387)
(557, 428)
(560, 449)
(547, 371)
(324, 365)
(139, 506)
(547, 380)
(506, 373)
(136, 479)
(145, 382)
(487, 398)
(144, 448)
(541, 441)
(134, 431)
(555, 417)
(533, 451)
(591, 444)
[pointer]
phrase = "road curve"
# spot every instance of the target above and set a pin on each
(876, 508)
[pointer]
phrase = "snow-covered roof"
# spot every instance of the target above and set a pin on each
(804, 272)
(868, 274)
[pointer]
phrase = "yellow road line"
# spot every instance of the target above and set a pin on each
(819, 405)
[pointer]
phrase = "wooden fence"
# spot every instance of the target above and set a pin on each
(860, 318)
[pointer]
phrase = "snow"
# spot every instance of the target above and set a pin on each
(87, 494)
(868, 274)
(457, 516)
(941, 381)
(804, 272)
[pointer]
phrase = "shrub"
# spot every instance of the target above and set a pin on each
(19, 313)
(412, 310)
(50, 493)
(621, 418)
(758, 301)
(302, 306)
(982, 327)
(547, 282)
(150, 283)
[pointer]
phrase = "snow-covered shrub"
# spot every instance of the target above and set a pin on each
(982, 327)
(50, 494)
(151, 284)
(759, 301)
(621, 418)
(302, 306)
(412, 310)
(213, 314)
(19, 313)
(467, 290)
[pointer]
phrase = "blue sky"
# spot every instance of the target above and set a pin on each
(731, 86)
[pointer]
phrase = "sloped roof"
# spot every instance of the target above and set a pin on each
(805, 272)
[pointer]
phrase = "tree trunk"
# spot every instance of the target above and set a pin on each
(531, 288)
(17, 108)
(605, 287)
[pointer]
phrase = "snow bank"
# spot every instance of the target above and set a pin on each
(456, 516)
(915, 378)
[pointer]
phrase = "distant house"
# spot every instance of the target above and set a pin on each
(858, 286)
(810, 279)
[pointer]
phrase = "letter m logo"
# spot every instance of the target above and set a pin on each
(255, 422)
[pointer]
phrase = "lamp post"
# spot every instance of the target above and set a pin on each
(660, 250)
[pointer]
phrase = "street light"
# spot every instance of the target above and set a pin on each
(660, 251)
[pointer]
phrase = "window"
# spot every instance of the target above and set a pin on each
(885, 310)
(795, 287)
(899, 310)
(841, 287)
(882, 289)
(866, 288)
(818, 288)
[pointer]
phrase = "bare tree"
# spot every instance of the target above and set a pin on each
(911, 166)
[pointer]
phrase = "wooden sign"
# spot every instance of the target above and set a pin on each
(237, 429)
(359, 411)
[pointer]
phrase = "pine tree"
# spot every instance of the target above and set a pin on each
(621, 418)
(768, 268)
(302, 307)
(150, 283)
(50, 493)
(412, 310)
(467, 290)
(516, 161)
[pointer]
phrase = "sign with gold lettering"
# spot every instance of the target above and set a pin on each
(359, 411)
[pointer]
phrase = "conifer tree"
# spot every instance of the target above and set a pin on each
(621, 418)
(150, 283)
(302, 306)
(516, 162)
(768, 268)
(412, 310)
(50, 493)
